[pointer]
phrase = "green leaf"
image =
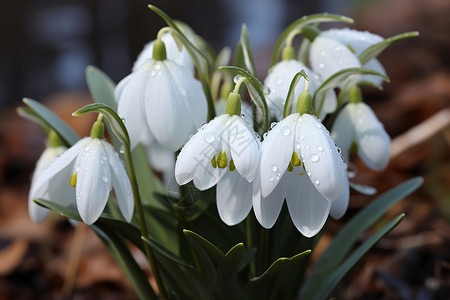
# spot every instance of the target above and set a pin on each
(113, 118)
(374, 50)
(101, 87)
(31, 115)
(256, 91)
(123, 257)
(302, 22)
(157, 247)
(347, 236)
(49, 118)
(334, 80)
(324, 287)
(271, 282)
(211, 256)
(247, 50)
(225, 284)
(290, 96)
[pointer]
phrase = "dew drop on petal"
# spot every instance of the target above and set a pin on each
(274, 168)
(124, 121)
(271, 179)
(157, 66)
(105, 179)
(322, 65)
(121, 150)
(278, 82)
(297, 146)
(266, 91)
(317, 182)
(320, 148)
(285, 131)
(314, 158)
(209, 137)
(277, 177)
(337, 49)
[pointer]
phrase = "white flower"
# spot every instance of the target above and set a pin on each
(37, 212)
(356, 123)
(225, 152)
(315, 176)
(163, 99)
(337, 49)
(96, 168)
(173, 53)
(278, 81)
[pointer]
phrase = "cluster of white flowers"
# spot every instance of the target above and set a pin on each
(164, 108)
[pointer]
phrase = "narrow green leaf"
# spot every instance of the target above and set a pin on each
(113, 118)
(101, 87)
(324, 288)
(123, 257)
(225, 284)
(290, 96)
(375, 50)
(247, 50)
(65, 132)
(302, 22)
(270, 283)
(347, 236)
(212, 257)
(256, 91)
(334, 80)
(157, 247)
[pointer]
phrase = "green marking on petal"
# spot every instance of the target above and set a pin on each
(73, 180)
(214, 162)
(231, 166)
(295, 160)
(222, 159)
(290, 167)
(351, 49)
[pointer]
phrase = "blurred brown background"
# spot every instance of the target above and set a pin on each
(45, 47)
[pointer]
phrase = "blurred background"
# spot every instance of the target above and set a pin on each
(46, 45)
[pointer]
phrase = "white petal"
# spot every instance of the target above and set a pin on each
(194, 160)
(339, 206)
(120, 182)
(244, 147)
(308, 209)
(276, 153)
(326, 61)
(358, 40)
(329, 104)
(234, 198)
(130, 96)
(268, 209)
(40, 185)
(373, 141)
(278, 81)
(160, 158)
(93, 182)
(174, 104)
(322, 160)
(343, 132)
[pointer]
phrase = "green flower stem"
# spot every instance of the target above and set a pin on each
(141, 219)
(248, 232)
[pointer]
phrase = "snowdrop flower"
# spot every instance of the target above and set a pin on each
(337, 49)
(225, 152)
(278, 81)
(299, 162)
(55, 148)
(174, 54)
(357, 125)
(86, 172)
(162, 99)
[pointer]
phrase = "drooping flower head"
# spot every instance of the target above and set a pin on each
(161, 98)
(299, 162)
(225, 152)
(357, 126)
(84, 176)
(337, 49)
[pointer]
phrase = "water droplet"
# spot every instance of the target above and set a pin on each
(266, 91)
(322, 65)
(153, 73)
(317, 182)
(274, 168)
(86, 148)
(322, 53)
(285, 131)
(236, 78)
(105, 179)
(318, 125)
(157, 66)
(209, 137)
(302, 136)
(314, 158)
(320, 148)
(277, 177)
(273, 125)
(271, 179)
(337, 49)
(121, 150)
(279, 81)
(297, 146)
